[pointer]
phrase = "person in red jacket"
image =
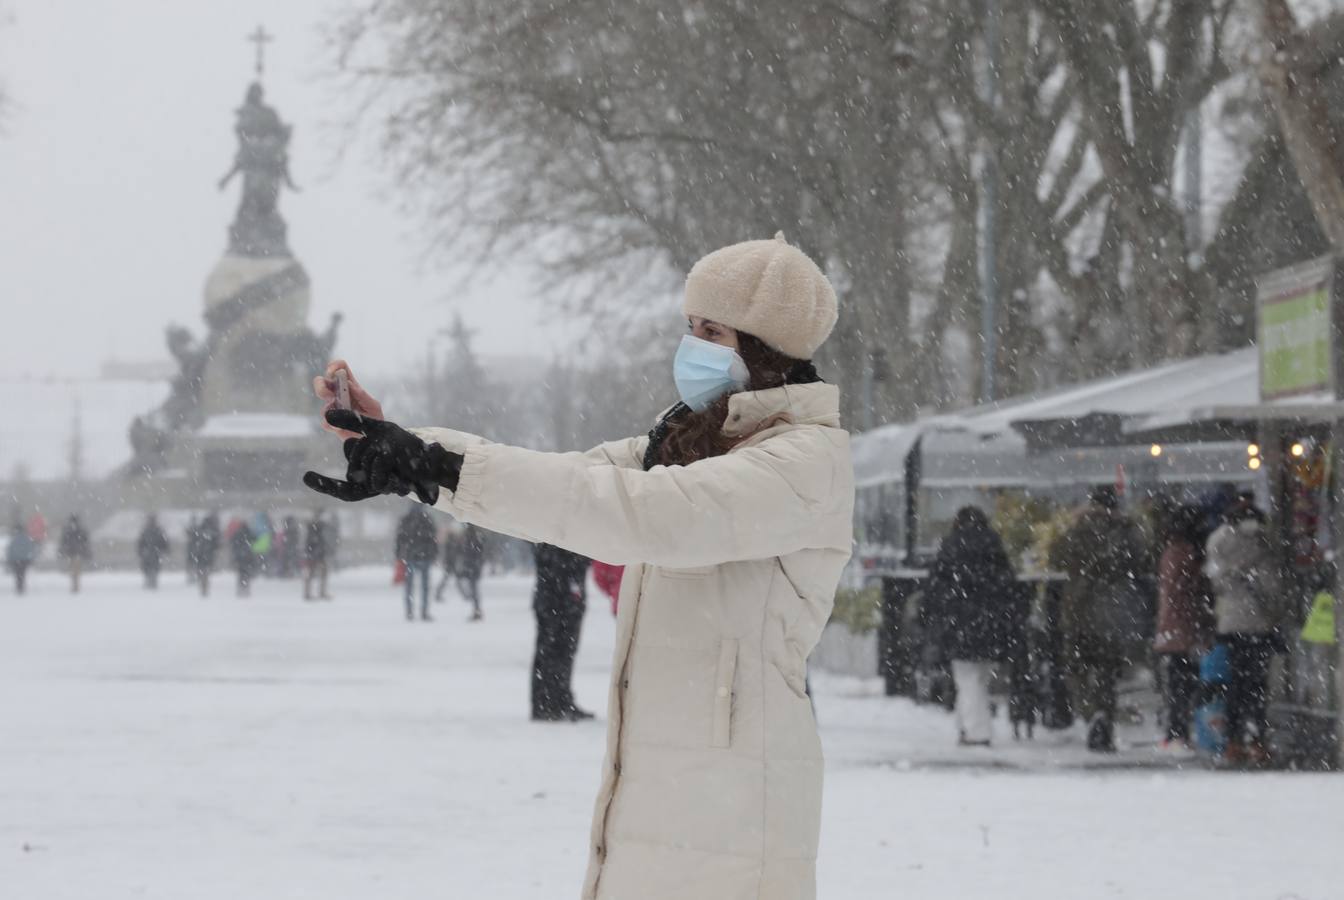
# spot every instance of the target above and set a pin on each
(607, 577)
(1184, 619)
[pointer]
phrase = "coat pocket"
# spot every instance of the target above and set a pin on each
(694, 572)
(723, 694)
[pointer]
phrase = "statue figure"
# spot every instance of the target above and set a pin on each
(263, 160)
(258, 353)
(184, 402)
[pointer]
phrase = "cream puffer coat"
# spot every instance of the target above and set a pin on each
(711, 787)
(1249, 595)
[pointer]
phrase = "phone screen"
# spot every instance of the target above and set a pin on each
(342, 389)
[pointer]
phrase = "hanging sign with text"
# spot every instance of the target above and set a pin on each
(1295, 330)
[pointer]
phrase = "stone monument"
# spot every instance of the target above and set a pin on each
(241, 413)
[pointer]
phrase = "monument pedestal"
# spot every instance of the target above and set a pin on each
(262, 353)
(241, 427)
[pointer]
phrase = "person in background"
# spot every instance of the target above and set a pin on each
(20, 555)
(452, 547)
(470, 565)
(1184, 619)
(245, 559)
(1105, 612)
(333, 524)
(203, 550)
(189, 547)
(1248, 608)
(37, 528)
(607, 577)
(316, 547)
(151, 547)
(75, 549)
(417, 547)
(559, 601)
(969, 600)
(292, 547)
(263, 543)
(275, 560)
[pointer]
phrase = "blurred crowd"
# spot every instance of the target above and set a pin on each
(1203, 602)
(257, 546)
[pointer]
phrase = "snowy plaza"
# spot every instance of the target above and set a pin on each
(163, 746)
(949, 394)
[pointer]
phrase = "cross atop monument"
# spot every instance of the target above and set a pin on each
(261, 39)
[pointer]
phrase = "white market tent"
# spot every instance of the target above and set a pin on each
(1205, 398)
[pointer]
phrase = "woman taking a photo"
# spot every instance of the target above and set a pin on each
(733, 518)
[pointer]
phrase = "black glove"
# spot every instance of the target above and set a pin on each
(387, 460)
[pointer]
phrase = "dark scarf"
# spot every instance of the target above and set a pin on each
(801, 372)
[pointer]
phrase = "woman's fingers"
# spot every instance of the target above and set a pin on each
(341, 490)
(361, 400)
(324, 389)
(364, 403)
(324, 386)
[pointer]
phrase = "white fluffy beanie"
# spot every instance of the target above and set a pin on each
(768, 289)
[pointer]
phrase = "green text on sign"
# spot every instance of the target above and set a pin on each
(1295, 345)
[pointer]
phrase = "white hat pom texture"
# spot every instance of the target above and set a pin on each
(768, 289)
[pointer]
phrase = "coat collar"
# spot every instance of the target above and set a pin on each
(793, 404)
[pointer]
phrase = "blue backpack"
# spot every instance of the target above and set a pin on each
(1215, 667)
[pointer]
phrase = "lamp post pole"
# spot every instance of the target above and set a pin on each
(989, 251)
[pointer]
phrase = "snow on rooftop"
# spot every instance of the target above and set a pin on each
(1167, 394)
(258, 425)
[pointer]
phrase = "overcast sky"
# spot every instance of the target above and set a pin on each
(110, 218)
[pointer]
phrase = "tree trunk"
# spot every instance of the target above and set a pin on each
(1302, 113)
(1303, 122)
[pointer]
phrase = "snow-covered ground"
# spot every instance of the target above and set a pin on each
(164, 746)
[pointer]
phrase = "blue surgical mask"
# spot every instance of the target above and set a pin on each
(705, 371)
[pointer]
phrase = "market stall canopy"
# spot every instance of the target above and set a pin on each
(1230, 409)
(1116, 410)
(1203, 399)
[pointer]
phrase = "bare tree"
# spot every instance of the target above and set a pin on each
(1139, 67)
(625, 139)
(617, 142)
(1290, 73)
(1030, 133)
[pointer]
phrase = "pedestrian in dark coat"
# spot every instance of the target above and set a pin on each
(470, 566)
(1184, 618)
(189, 538)
(316, 555)
(292, 558)
(969, 606)
(452, 543)
(203, 551)
(417, 547)
(20, 554)
(151, 547)
(1106, 611)
(245, 559)
(559, 601)
(76, 549)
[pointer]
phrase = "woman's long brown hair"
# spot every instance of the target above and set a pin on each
(699, 435)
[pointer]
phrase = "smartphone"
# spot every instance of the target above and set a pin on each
(342, 389)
